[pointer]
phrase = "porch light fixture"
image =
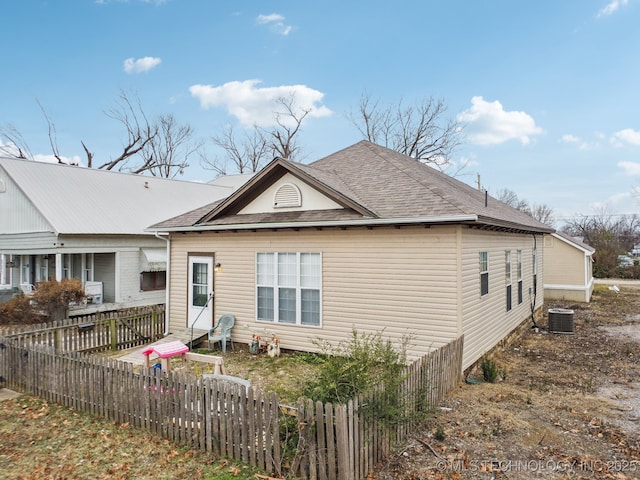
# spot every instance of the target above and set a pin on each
(217, 267)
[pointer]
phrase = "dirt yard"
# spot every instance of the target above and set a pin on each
(566, 405)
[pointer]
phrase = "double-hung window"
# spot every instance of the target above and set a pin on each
(519, 274)
(484, 273)
(288, 287)
(507, 276)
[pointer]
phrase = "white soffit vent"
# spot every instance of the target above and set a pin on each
(287, 195)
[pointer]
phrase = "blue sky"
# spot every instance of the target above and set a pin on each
(548, 91)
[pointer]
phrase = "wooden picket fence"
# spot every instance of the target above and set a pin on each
(342, 442)
(111, 330)
(334, 442)
(221, 417)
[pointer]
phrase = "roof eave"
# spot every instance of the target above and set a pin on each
(504, 224)
(365, 222)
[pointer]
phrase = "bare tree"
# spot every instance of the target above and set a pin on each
(53, 138)
(289, 122)
(13, 144)
(168, 152)
(511, 198)
(140, 131)
(418, 131)
(160, 147)
(543, 213)
(246, 152)
(610, 235)
(251, 149)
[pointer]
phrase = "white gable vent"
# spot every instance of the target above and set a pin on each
(287, 195)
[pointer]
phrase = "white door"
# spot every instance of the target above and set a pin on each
(200, 301)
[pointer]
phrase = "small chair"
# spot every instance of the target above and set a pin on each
(27, 288)
(221, 332)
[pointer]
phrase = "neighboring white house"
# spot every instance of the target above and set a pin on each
(366, 239)
(568, 268)
(60, 221)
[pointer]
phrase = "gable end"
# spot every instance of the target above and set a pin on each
(287, 195)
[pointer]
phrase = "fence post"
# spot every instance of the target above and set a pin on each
(57, 339)
(114, 333)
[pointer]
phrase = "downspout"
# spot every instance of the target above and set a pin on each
(168, 283)
(532, 302)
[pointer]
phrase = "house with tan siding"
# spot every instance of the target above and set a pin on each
(61, 221)
(568, 266)
(366, 239)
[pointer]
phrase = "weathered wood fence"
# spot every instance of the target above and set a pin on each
(113, 330)
(334, 442)
(220, 417)
(342, 442)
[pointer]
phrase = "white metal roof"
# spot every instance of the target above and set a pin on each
(78, 200)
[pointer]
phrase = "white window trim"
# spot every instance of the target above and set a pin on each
(297, 287)
(483, 272)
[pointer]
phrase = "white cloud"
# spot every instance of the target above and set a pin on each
(577, 141)
(131, 65)
(489, 124)
(630, 168)
(253, 105)
(627, 136)
(276, 21)
(611, 7)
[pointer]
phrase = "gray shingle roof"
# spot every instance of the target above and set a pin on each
(576, 241)
(373, 183)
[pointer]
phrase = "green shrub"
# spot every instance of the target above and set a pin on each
(489, 370)
(366, 364)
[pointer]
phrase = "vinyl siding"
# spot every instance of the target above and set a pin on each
(485, 318)
(402, 281)
(421, 282)
(568, 271)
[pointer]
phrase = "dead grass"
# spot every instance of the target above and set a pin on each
(553, 415)
(45, 441)
(568, 407)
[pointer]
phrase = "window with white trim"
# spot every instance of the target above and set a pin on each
(288, 287)
(507, 277)
(519, 274)
(484, 273)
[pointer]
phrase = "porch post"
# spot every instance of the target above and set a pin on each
(58, 267)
